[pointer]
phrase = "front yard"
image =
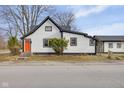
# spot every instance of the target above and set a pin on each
(64, 58)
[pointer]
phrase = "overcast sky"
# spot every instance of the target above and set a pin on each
(98, 20)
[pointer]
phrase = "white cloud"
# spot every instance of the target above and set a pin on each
(87, 11)
(112, 29)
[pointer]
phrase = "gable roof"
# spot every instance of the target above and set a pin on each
(36, 27)
(62, 30)
(109, 38)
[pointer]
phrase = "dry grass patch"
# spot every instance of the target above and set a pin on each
(115, 56)
(63, 58)
(71, 58)
(7, 57)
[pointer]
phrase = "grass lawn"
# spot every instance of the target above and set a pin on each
(69, 58)
(64, 58)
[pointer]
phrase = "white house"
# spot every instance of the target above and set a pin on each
(110, 43)
(37, 40)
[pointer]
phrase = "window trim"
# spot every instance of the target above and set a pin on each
(48, 30)
(75, 38)
(120, 44)
(44, 42)
(93, 42)
(109, 45)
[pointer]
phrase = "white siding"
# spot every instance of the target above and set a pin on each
(114, 49)
(82, 44)
(40, 34)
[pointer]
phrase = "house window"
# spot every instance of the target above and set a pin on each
(110, 45)
(73, 41)
(45, 43)
(91, 43)
(48, 28)
(119, 45)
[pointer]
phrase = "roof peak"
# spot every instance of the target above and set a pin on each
(47, 17)
(63, 30)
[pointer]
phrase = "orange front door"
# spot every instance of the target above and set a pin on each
(27, 45)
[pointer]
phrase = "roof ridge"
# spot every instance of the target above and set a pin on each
(63, 30)
(48, 17)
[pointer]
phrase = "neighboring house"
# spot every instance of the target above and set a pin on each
(37, 40)
(112, 43)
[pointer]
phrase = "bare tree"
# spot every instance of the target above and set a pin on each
(66, 20)
(2, 42)
(21, 19)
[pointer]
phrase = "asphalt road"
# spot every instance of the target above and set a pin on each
(63, 76)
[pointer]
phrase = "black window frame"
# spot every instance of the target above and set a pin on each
(92, 42)
(44, 40)
(109, 44)
(119, 46)
(48, 30)
(73, 38)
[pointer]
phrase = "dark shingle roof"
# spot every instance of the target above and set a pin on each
(62, 30)
(109, 38)
(36, 27)
(75, 32)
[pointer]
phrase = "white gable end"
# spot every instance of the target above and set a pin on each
(40, 34)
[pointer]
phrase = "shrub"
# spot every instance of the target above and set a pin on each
(58, 45)
(13, 45)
